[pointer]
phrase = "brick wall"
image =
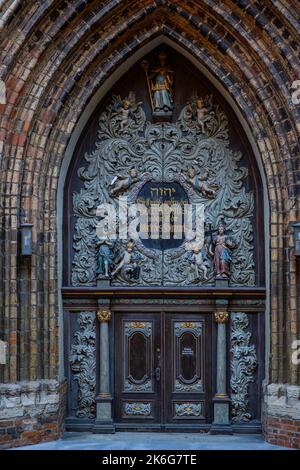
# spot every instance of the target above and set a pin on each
(31, 412)
(282, 415)
(283, 432)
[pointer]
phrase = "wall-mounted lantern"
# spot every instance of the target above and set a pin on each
(26, 239)
(296, 226)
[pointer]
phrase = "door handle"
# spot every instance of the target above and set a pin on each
(157, 374)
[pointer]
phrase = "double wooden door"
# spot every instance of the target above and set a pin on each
(163, 370)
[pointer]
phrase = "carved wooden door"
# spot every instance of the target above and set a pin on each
(188, 371)
(137, 369)
(162, 372)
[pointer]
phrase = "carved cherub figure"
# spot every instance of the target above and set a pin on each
(199, 182)
(119, 184)
(201, 114)
(199, 261)
(200, 111)
(124, 114)
(126, 260)
(124, 109)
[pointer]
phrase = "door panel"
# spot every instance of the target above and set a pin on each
(137, 390)
(188, 340)
(163, 367)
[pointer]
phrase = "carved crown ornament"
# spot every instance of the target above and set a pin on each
(104, 315)
(221, 316)
(188, 161)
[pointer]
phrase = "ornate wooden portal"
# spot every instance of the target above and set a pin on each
(182, 343)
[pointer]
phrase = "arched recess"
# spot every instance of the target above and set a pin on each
(106, 90)
(255, 76)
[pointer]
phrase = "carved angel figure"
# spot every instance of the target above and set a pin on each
(223, 252)
(124, 114)
(198, 182)
(201, 111)
(199, 262)
(125, 109)
(127, 261)
(119, 184)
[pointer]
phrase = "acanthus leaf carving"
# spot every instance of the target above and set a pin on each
(83, 364)
(243, 366)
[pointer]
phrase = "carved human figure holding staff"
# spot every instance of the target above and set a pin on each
(160, 83)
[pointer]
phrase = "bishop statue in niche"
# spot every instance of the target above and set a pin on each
(160, 86)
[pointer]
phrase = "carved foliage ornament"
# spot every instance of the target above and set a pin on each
(243, 366)
(188, 409)
(221, 316)
(104, 315)
(83, 364)
(137, 409)
(194, 153)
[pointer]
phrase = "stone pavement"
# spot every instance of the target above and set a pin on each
(154, 441)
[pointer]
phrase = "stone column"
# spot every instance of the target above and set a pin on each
(221, 423)
(104, 420)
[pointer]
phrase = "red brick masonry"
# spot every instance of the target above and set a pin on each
(21, 432)
(283, 432)
(31, 412)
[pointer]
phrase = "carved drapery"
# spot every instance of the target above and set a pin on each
(162, 152)
(243, 366)
(83, 364)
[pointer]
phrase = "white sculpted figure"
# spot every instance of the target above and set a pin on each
(121, 183)
(125, 260)
(199, 262)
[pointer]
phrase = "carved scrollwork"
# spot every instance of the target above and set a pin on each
(188, 409)
(197, 386)
(243, 366)
(133, 387)
(137, 409)
(183, 327)
(142, 327)
(190, 152)
(83, 364)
